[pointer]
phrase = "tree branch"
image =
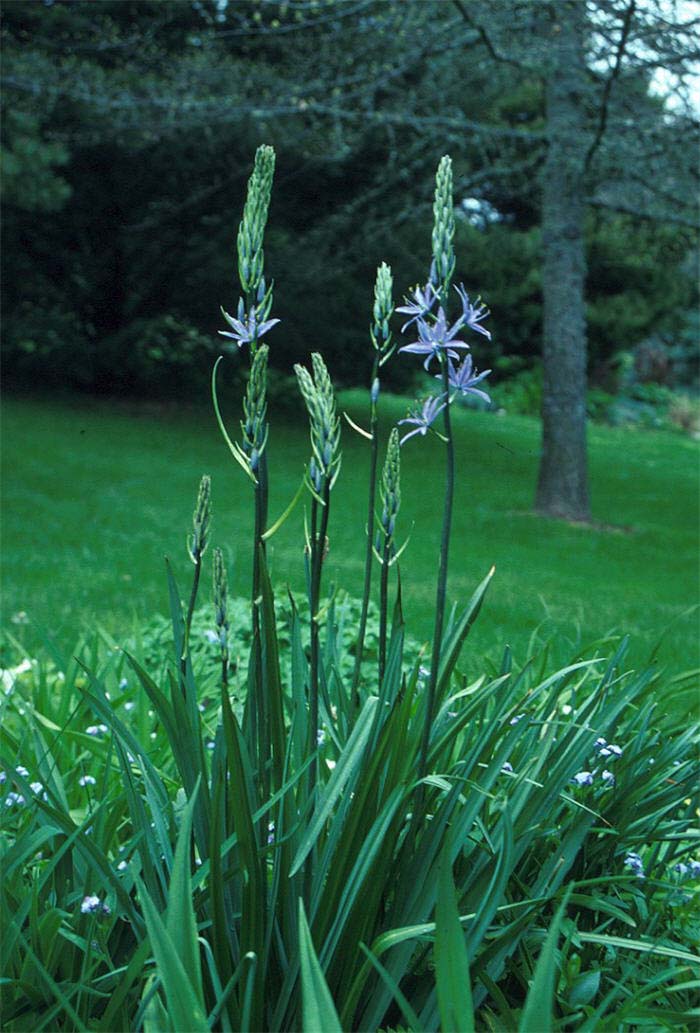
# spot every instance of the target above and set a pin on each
(603, 121)
(638, 213)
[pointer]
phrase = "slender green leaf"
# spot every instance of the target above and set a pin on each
(318, 1009)
(538, 1013)
(451, 960)
(185, 1008)
(347, 766)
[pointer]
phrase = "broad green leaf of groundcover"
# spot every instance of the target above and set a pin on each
(451, 960)
(174, 942)
(318, 1010)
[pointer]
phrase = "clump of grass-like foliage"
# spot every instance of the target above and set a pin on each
(314, 824)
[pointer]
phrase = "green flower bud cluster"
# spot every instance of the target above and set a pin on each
(444, 225)
(254, 425)
(199, 539)
(391, 486)
(220, 596)
(252, 227)
(382, 312)
(319, 396)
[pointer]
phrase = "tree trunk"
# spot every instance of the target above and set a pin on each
(562, 488)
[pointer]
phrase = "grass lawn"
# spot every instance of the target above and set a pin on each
(94, 495)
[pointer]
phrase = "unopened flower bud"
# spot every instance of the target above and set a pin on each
(201, 517)
(319, 397)
(390, 486)
(252, 227)
(444, 223)
(220, 592)
(254, 425)
(383, 308)
(374, 394)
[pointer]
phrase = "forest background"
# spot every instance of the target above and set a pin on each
(128, 129)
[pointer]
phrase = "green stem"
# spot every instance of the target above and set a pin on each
(442, 579)
(383, 607)
(368, 550)
(259, 716)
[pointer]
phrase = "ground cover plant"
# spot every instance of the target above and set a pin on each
(330, 826)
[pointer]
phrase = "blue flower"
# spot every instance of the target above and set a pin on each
(436, 338)
(461, 378)
(472, 315)
(92, 905)
(583, 778)
(423, 301)
(634, 862)
(246, 328)
(610, 750)
(608, 778)
(432, 407)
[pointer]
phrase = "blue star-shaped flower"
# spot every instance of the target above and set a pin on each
(437, 337)
(246, 328)
(472, 315)
(432, 407)
(461, 379)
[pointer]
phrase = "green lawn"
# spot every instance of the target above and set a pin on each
(94, 495)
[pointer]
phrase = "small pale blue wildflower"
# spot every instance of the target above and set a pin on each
(36, 787)
(96, 730)
(583, 778)
(122, 866)
(600, 743)
(507, 769)
(124, 683)
(608, 778)
(211, 744)
(472, 315)
(423, 420)
(514, 720)
(682, 869)
(634, 862)
(14, 800)
(87, 780)
(610, 750)
(212, 636)
(22, 771)
(130, 705)
(92, 905)
(436, 339)
(461, 378)
(270, 832)
(320, 737)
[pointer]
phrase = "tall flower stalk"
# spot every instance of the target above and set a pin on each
(251, 322)
(439, 341)
(319, 397)
(383, 349)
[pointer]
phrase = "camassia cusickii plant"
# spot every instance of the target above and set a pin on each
(368, 841)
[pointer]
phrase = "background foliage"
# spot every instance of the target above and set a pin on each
(128, 129)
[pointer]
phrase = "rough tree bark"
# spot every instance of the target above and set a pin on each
(562, 488)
